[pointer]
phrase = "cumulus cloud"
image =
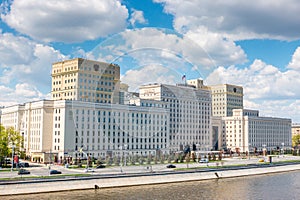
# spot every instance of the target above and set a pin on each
(202, 53)
(295, 62)
(25, 67)
(260, 80)
(15, 50)
(137, 16)
(20, 93)
(276, 108)
(27, 91)
(237, 20)
(221, 51)
(150, 74)
(66, 21)
(26, 63)
(266, 88)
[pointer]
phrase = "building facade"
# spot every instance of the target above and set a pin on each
(190, 113)
(33, 121)
(295, 129)
(246, 130)
(67, 128)
(85, 80)
(225, 98)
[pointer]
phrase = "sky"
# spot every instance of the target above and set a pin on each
(254, 44)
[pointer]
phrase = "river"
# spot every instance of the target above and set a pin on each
(277, 186)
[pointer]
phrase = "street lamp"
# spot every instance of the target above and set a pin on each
(282, 148)
(264, 150)
(121, 156)
(197, 152)
(249, 145)
(12, 156)
(125, 146)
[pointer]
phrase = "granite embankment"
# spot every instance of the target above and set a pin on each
(134, 180)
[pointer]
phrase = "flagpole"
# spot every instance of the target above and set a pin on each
(184, 79)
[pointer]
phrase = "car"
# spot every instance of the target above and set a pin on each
(26, 164)
(100, 166)
(89, 170)
(7, 161)
(23, 171)
(23, 164)
(54, 171)
(171, 166)
(203, 160)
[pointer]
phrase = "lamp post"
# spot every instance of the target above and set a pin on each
(125, 146)
(282, 149)
(264, 150)
(121, 156)
(197, 152)
(12, 156)
(249, 145)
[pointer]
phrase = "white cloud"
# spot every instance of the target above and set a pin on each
(66, 21)
(150, 74)
(276, 108)
(266, 88)
(21, 93)
(295, 62)
(27, 91)
(260, 80)
(137, 16)
(237, 20)
(166, 47)
(25, 61)
(15, 50)
(221, 51)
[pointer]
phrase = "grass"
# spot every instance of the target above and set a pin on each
(22, 178)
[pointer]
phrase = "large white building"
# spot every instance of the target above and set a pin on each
(87, 116)
(246, 130)
(85, 80)
(190, 113)
(63, 128)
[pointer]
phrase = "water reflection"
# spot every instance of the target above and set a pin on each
(275, 186)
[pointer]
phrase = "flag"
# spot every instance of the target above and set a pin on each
(183, 77)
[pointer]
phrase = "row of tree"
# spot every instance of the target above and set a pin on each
(9, 138)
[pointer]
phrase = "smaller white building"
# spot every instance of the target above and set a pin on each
(246, 130)
(55, 130)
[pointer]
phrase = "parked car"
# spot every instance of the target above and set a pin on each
(100, 166)
(203, 160)
(171, 166)
(22, 164)
(23, 171)
(89, 170)
(53, 171)
(7, 161)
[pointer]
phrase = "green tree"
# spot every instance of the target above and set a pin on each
(9, 137)
(296, 140)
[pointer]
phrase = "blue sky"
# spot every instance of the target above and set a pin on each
(254, 44)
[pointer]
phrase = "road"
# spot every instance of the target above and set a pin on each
(43, 170)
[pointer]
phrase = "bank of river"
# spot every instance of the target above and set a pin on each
(276, 186)
(146, 179)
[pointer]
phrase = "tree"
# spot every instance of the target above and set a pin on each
(296, 140)
(9, 137)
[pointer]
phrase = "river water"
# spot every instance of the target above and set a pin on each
(280, 186)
